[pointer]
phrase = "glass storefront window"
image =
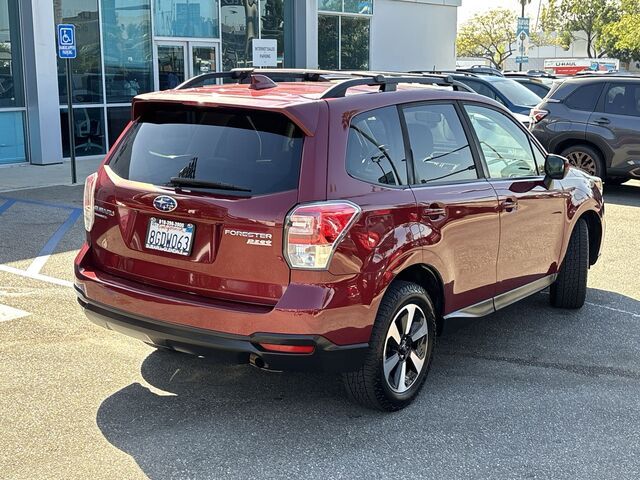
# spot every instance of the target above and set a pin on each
(86, 68)
(11, 80)
(170, 66)
(89, 131)
(354, 48)
(12, 137)
(117, 119)
(330, 5)
(128, 59)
(272, 26)
(240, 25)
(343, 42)
(328, 41)
(364, 7)
(358, 6)
(193, 18)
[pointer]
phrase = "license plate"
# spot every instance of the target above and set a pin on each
(170, 236)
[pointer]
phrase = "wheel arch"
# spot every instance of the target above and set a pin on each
(569, 142)
(594, 226)
(430, 279)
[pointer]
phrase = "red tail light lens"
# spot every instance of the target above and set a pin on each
(288, 348)
(313, 231)
(89, 201)
(537, 114)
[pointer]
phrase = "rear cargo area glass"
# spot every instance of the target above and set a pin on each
(259, 152)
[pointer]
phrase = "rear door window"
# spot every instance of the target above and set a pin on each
(258, 152)
(584, 98)
(375, 148)
(623, 99)
(440, 148)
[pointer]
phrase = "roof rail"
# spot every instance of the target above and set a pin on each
(243, 75)
(388, 82)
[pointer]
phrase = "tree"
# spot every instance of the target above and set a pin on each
(568, 18)
(489, 35)
(621, 39)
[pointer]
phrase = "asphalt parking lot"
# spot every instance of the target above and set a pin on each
(528, 392)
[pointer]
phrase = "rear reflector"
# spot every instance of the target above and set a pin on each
(313, 231)
(273, 347)
(89, 201)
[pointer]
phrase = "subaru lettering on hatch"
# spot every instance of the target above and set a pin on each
(165, 203)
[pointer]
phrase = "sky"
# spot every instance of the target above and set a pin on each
(470, 7)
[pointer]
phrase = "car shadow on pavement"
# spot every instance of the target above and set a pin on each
(201, 419)
(625, 195)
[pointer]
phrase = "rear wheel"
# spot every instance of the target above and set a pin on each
(585, 158)
(570, 288)
(401, 349)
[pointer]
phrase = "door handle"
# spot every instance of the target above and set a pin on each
(510, 204)
(602, 121)
(434, 211)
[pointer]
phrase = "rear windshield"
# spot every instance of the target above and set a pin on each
(258, 152)
(515, 92)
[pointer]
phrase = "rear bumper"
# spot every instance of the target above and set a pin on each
(326, 356)
(316, 314)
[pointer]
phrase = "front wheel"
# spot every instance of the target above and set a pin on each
(570, 288)
(401, 349)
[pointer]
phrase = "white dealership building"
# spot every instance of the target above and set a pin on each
(128, 47)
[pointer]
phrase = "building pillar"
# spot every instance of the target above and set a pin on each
(305, 34)
(41, 82)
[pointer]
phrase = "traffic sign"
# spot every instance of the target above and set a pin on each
(67, 41)
(522, 41)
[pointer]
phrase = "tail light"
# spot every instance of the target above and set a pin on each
(89, 201)
(537, 114)
(313, 231)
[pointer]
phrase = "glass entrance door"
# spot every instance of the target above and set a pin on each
(179, 61)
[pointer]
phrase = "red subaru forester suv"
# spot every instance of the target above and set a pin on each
(332, 223)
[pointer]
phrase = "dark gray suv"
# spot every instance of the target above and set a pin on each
(594, 121)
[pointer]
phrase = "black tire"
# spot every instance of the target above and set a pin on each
(577, 154)
(369, 386)
(570, 288)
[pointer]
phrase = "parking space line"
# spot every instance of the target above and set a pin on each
(635, 315)
(37, 202)
(6, 205)
(36, 276)
(9, 313)
(53, 242)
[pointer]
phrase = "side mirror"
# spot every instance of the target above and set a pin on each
(555, 167)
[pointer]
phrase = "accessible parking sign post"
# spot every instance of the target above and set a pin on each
(67, 50)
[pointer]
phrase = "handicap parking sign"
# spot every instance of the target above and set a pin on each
(67, 41)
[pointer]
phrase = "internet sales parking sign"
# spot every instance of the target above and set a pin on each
(67, 41)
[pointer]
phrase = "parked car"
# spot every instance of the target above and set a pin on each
(518, 99)
(537, 84)
(594, 121)
(328, 225)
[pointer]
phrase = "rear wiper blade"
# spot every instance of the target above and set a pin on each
(191, 182)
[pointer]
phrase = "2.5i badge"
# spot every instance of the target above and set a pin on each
(253, 238)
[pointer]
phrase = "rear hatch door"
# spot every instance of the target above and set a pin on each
(195, 199)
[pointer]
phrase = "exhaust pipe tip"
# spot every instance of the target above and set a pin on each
(258, 362)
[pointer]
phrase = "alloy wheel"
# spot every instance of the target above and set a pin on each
(583, 161)
(405, 348)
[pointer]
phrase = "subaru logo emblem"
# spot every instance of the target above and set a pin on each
(165, 203)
